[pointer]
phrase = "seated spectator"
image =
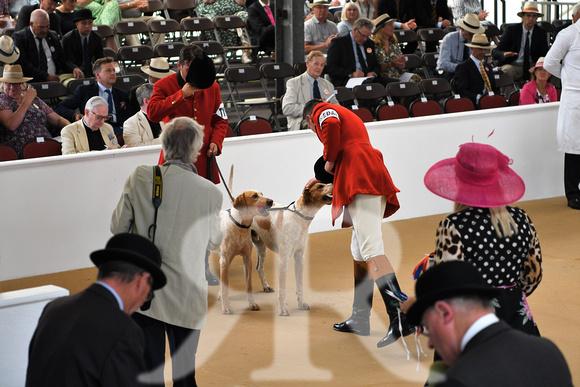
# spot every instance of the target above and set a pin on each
(432, 14)
(368, 8)
(303, 88)
(139, 130)
(106, 11)
(118, 99)
(48, 63)
(133, 10)
(474, 77)
(538, 90)
(399, 10)
(49, 6)
(83, 45)
(263, 25)
(350, 13)
(66, 12)
(453, 49)
(389, 53)
(91, 133)
(319, 31)
(23, 115)
(157, 69)
(354, 56)
(522, 44)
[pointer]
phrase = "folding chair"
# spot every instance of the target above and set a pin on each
(405, 92)
(230, 132)
(492, 32)
(127, 82)
(272, 72)
(437, 88)
(132, 27)
(514, 98)
(231, 23)
(7, 153)
(363, 113)
(50, 92)
(405, 37)
(451, 29)
(74, 83)
(194, 27)
(131, 58)
(561, 22)
(492, 101)
(170, 51)
(424, 107)
(548, 27)
(215, 50)
(429, 37)
(299, 68)
(180, 7)
(370, 95)
(392, 111)
(106, 33)
(457, 104)
(156, 7)
(110, 53)
(345, 96)
(47, 147)
(253, 125)
(170, 29)
(504, 81)
(429, 63)
(413, 63)
(248, 79)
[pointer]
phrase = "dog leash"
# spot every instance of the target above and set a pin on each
(229, 211)
(210, 169)
(293, 210)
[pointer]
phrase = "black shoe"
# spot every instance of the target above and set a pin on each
(211, 279)
(358, 323)
(574, 203)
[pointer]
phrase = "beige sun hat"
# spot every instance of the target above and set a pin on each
(9, 53)
(382, 20)
(480, 41)
(530, 7)
(158, 68)
(13, 74)
(470, 23)
(539, 63)
(319, 2)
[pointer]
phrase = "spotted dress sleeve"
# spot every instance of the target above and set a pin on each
(531, 275)
(448, 246)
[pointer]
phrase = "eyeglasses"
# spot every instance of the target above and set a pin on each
(106, 118)
(363, 35)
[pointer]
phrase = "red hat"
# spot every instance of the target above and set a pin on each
(478, 176)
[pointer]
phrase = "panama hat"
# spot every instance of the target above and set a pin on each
(447, 280)
(134, 249)
(158, 68)
(478, 176)
(382, 20)
(9, 53)
(13, 74)
(480, 41)
(319, 2)
(530, 7)
(471, 24)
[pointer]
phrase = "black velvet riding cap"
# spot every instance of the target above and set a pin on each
(320, 173)
(201, 73)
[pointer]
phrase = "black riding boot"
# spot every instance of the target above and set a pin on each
(358, 322)
(209, 277)
(389, 282)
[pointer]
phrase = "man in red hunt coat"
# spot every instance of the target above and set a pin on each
(193, 92)
(363, 189)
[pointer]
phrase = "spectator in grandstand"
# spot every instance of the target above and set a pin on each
(106, 12)
(538, 90)
(350, 13)
(83, 45)
(158, 68)
(23, 116)
(133, 10)
(368, 8)
(303, 88)
(49, 6)
(66, 12)
(432, 14)
(139, 130)
(399, 10)
(460, 8)
(261, 16)
(318, 31)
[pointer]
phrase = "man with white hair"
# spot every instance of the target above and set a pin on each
(91, 133)
(563, 60)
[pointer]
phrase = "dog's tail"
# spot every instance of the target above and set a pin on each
(231, 181)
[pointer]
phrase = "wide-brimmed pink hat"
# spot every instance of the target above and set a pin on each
(478, 176)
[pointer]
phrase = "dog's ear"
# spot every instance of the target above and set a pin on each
(240, 201)
(306, 194)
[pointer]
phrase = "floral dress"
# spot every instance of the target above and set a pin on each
(105, 11)
(222, 8)
(33, 125)
(513, 264)
(385, 57)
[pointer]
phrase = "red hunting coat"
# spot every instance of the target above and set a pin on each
(359, 168)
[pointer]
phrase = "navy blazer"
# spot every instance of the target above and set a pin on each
(259, 20)
(73, 46)
(511, 40)
(29, 59)
(85, 92)
(469, 82)
(341, 63)
(421, 10)
(85, 340)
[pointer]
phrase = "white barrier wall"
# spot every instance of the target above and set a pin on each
(19, 313)
(55, 211)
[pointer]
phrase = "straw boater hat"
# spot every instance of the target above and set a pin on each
(480, 41)
(530, 7)
(447, 280)
(382, 20)
(478, 176)
(471, 24)
(13, 74)
(134, 249)
(539, 63)
(319, 2)
(83, 14)
(9, 53)
(158, 68)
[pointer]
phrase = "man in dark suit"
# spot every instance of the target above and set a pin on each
(511, 50)
(41, 54)
(431, 14)
(261, 16)
(83, 44)
(454, 304)
(118, 99)
(470, 82)
(49, 6)
(353, 56)
(88, 339)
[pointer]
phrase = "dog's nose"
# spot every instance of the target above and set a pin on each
(270, 202)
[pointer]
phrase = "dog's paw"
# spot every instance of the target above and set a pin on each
(227, 310)
(284, 312)
(268, 289)
(303, 306)
(254, 306)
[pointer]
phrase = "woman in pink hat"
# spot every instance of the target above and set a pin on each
(499, 240)
(538, 90)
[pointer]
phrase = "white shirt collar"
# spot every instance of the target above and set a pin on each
(479, 325)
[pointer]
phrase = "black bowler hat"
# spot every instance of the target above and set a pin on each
(134, 249)
(201, 73)
(320, 173)
(446, 280)
(83, 14)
